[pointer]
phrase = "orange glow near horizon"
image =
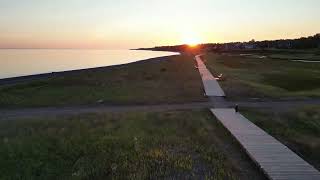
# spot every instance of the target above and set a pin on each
(192, 45)
(192, 42)
(133, 24)
(191, 39)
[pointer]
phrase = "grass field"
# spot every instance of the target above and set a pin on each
(284, 54)
(162, 80)
(172, 145)
(253, 77)
(298, 129)
(305, 56)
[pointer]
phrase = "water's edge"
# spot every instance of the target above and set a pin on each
(17, 63)
(19, 79)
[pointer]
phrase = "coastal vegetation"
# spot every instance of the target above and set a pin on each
(161, 80)
(265, 76)
(135, 145)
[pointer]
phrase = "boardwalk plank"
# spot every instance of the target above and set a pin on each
(211, 86)
(276, 160)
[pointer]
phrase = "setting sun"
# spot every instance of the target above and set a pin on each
(191, 39)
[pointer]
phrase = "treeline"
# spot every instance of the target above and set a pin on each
(310, 42)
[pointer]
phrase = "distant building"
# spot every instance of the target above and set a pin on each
(250, 46)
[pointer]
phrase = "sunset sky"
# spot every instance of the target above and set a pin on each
(122, 24)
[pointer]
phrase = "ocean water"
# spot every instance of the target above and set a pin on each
(15, 63)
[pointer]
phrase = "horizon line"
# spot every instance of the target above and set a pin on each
(64, 49)
(178, 44)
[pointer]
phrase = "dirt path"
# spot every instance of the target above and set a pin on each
(278, 106)
(54, 111)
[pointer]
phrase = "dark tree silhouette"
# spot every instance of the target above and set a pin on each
(310, 42)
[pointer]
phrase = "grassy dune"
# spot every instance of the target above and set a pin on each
(252, 77)
(176, 144)
(162, 80)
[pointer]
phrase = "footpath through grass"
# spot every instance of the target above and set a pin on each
(161, 80)
(299, 129)
(173, 145)
(254, 77)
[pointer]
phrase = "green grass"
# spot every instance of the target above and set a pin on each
(303, 56)
(293, 80)
(171, 80)
(250, 77)
(299, 129)
(174, 144)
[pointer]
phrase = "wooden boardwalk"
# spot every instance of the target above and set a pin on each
(211, 86)
(276, 160)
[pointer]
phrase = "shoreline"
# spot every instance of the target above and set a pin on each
(28, 78)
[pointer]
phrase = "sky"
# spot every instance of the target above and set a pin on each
(123, 24)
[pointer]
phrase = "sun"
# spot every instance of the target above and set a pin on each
(191, 40)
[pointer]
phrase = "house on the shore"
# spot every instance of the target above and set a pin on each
(250, 45)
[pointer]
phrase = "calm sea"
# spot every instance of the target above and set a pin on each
(15, 63)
